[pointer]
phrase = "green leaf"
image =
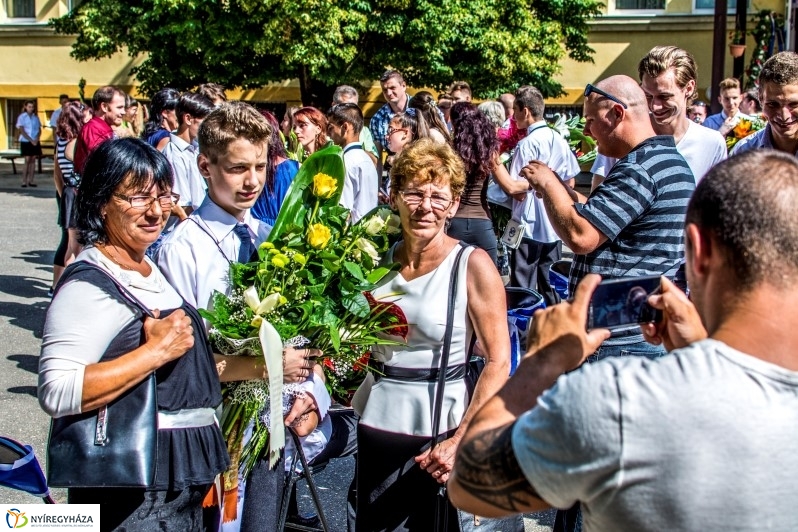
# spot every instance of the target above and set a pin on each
(357, 304)
(355, 270)
(297, 201)
(377, 275)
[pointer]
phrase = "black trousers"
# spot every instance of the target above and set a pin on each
(123, 509)
(530, 265)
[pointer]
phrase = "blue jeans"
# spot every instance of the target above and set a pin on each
(624, 346)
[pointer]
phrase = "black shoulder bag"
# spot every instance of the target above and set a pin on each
(113, 446)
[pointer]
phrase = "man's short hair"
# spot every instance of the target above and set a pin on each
(388, 74)
(194, 104)
(62, 97)
(348, 113)
(461, 86)
(105, 95)
(781, 69)
(531, 98)
(212, 91)
(26, 102)
(753, 219)
(729, 83)
(345, 90)
(229, 122)
(662, 58)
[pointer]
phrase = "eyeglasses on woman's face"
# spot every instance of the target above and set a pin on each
(392, 130)
(414, 198)
(145, 202)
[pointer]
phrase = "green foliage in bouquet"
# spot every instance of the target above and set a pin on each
(314, 277)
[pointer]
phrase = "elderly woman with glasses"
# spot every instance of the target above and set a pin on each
(115, 320)
(398, 476)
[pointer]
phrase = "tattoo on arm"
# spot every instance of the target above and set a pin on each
(488, 470)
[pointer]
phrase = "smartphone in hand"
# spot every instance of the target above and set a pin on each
(619, 303)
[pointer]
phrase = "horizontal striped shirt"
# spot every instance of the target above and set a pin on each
(640, 208)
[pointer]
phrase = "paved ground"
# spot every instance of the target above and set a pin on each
(28, 238)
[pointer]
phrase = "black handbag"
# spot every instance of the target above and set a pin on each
(111, 447)
(114, 446)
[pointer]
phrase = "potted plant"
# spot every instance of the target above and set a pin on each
(737, 42)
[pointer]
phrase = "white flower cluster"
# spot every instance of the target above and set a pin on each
(290, 393)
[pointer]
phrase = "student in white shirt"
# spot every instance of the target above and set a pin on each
(344, 122)
(196, 260)
(191, 110)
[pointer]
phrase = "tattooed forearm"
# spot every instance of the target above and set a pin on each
(487, 469)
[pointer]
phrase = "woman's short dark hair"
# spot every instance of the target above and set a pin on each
(108, 166)
(164, 100)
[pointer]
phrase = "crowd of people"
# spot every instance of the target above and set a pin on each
(646, 427)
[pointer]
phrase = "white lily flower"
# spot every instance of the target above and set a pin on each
(251, 298)
(268, 304)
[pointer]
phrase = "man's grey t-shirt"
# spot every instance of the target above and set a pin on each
(702, 439)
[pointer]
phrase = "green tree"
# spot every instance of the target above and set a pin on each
(493, 44)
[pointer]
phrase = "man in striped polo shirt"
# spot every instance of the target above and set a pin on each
(632, 223)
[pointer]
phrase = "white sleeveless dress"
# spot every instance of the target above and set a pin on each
(406, 407)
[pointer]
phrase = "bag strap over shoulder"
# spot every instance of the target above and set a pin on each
(447, 343)
(91, 273)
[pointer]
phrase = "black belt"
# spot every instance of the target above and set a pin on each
(381, 371)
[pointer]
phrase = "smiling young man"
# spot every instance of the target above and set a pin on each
(108, 104)
(730, 98)
(778, 92)
(394, 90)
(668, 78)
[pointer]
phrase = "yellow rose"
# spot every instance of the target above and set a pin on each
(319, 235)
(324, 186)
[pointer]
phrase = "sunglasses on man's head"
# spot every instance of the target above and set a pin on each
(590, 89)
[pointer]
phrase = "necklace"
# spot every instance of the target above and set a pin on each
(105, 251)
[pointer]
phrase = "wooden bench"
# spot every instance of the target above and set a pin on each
(48, 150)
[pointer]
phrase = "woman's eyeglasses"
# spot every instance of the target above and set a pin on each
(145, 202)
(590, 89)
(414, 198)
(392, 130)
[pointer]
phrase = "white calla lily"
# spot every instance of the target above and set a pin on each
(251, 298)
(268, 304)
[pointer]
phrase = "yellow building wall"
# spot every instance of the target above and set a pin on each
(35, 63)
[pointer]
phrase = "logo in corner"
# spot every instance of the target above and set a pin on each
(16, 518)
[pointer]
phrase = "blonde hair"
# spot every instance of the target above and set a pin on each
(428, 162)
(662, 58)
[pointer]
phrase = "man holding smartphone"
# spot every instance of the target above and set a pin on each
(702, 439)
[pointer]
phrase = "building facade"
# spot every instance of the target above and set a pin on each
(35, 63)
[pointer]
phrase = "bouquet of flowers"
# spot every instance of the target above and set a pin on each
(572, 130)
(311, 286)
(745, 127)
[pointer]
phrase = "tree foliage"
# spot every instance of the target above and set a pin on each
(495, 45)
